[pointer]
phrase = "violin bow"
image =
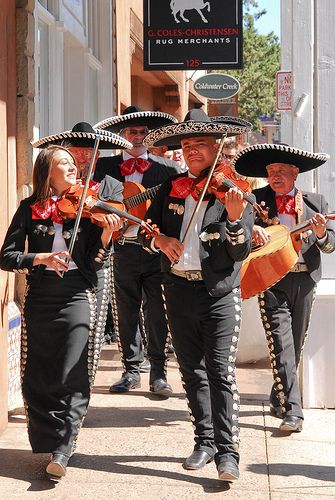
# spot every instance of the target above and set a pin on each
(83, 198)
(203, 192)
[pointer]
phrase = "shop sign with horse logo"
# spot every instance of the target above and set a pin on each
(192, 34)
(179, 6)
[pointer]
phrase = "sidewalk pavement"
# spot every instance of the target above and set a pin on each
(132, 446)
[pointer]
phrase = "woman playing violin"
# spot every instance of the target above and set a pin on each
(60, 339)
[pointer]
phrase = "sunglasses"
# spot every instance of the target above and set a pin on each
(142, 131)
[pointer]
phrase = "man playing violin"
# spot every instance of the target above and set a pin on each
(136, 273)
(286, 307)
(201, 284)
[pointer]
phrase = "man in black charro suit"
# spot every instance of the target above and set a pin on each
(135, 271)
(286, 307)
(202, 286)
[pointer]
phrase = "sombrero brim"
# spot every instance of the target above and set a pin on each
(84, 140)
(233, 120)
(253, 160)
(172, 135)
(150, 119)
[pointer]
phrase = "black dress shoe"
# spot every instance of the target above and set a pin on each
(145, 366)
(197, 460)
(161, 388)
(228, 471)
(291, 424)
(57, 465)
(126, 383)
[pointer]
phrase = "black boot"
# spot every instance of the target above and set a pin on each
(57, 466)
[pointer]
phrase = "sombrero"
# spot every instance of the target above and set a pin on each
(83, 135)
(233, 120)
(253, 160)
(196, 123)
(133, 117)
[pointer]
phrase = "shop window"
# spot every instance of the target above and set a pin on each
(42, 75)
(93, 93)
(48, 5)
(93, 24)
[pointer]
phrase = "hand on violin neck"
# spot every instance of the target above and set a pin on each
(112, 222)
(172, 247)
(235, 204)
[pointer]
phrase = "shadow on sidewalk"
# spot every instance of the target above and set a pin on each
(134, 417)
(24, 466)
(321, 472)
(253, 399)
(121, 464)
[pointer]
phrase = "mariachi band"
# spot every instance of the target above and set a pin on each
(172, 254)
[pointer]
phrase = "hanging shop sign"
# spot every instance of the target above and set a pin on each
(192, 34)
(217, 86)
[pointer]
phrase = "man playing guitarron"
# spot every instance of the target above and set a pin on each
(286, 307)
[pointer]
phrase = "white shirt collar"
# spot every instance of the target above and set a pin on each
(291, 193)
(127, 156)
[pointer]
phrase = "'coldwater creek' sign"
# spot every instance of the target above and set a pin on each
(198, 34)
(217, 86)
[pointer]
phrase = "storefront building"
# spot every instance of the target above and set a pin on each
(63, 62)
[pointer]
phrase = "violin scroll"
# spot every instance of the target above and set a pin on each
(151, 230)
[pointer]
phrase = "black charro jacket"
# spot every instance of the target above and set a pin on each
(160, 170)
(312, 203)
(24, 239)
(220, 258)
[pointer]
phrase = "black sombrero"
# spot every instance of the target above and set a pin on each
(196, 123)
(83, 135)
(253, 160)
(134, 117)
(233, 120)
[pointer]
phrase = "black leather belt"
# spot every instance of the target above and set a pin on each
(123, 241)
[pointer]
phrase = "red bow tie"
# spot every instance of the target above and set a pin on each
(183, 187)
(285, 204)
(50, 210)
(128, 167)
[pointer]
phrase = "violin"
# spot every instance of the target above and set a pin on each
(223, 179)
(96, 209)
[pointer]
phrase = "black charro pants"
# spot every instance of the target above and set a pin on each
(205, 332)
(137, 271)
(285, 311)
(57, 357)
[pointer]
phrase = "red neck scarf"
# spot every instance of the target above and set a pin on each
(285, 204)
(49, 210)
(128, 167)
(182, 187)
(51, 206)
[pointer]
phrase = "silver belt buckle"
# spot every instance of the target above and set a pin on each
(299, 267)
(193, 275)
